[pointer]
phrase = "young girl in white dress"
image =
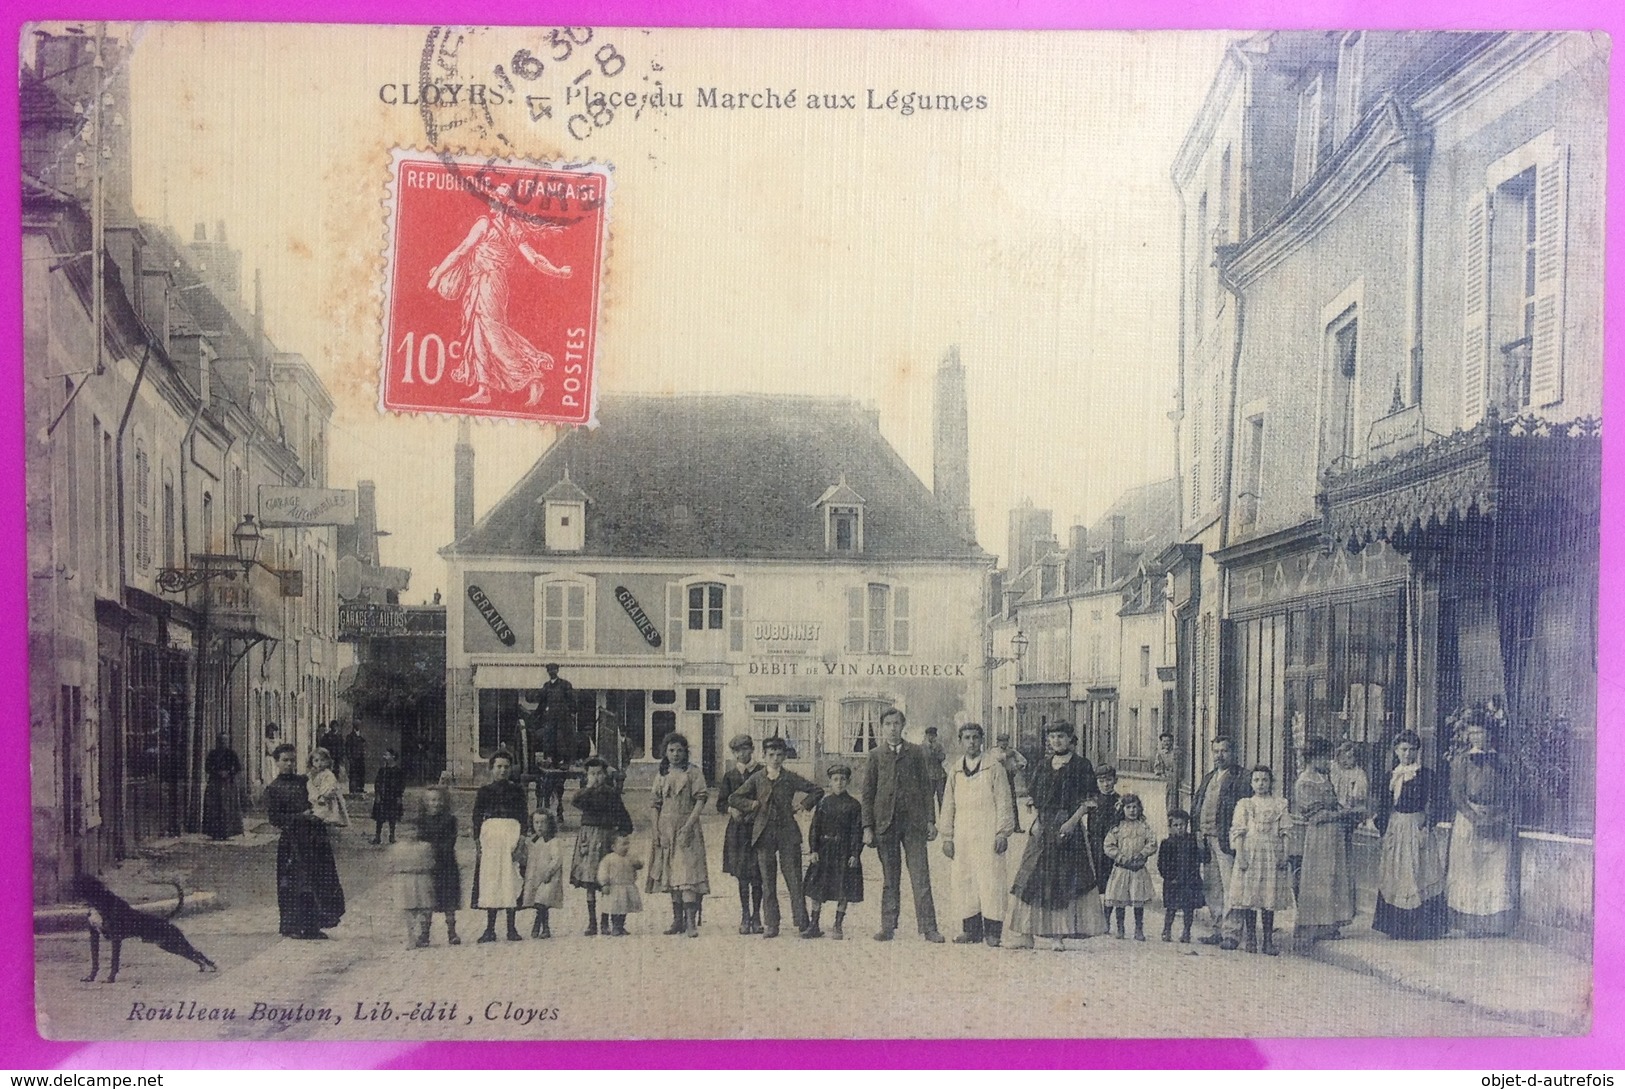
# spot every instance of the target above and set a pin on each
(1130, 844)
(1260, 881)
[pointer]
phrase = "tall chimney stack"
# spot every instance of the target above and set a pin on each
(462, 511)
(950, 443)
(366, 522)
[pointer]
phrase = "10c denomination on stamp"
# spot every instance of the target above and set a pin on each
(491, 286)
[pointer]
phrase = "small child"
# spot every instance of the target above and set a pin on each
(1130, 844)
(326, 799)
(438, 828)
(835, 843)
(1260, 884)
(603, 815)
(412, 863)
(618, 885)
(544, 872)
(1179, 862)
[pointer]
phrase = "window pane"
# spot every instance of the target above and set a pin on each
(576, 601)
(554, 598)
(713, 699)
(553, 633)
(696, 608)
(879, 620)
(577, 633)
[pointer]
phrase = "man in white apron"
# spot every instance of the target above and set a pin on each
(978, 816)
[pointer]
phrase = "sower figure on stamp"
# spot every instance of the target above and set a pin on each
(978, 817)
(1214, 809)
(898, 821)
(477, 271)
(768, 798)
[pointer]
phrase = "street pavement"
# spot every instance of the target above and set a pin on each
(366, 984)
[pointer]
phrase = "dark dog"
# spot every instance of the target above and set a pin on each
(113, 917)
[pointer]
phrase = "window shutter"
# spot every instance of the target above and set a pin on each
(1551, 253)
(855, 627)
(900, 643)
(736, 618)
(575, 617)
(676, 617)
(1475, 312)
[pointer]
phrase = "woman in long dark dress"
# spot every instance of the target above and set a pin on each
(1055, 887)
(222, 803)
(1410, 875)
(308, 894)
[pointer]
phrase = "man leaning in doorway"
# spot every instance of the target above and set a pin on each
(899, 819)
(1214, 807)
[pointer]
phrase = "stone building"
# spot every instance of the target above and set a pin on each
(156, 408)
(715, 565)
(1390, 384)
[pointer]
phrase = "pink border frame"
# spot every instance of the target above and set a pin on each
(21, 1049)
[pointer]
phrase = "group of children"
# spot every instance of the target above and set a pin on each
(516, 872)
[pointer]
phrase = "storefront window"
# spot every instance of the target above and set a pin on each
(860, 724)
(1329, 670)
(789, 719)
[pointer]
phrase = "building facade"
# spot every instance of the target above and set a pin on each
(156, 409)
(1403, 425)
(715, 565)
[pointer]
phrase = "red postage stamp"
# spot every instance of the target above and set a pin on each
(491, 288)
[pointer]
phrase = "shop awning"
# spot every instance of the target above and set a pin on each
(1517, 469)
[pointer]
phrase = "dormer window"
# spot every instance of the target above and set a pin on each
(564, 516)
(843, 518)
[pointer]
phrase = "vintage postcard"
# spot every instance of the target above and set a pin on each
(572, 532)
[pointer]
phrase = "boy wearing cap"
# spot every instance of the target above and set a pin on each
(767, 798)
(835, 849)
(738, 857)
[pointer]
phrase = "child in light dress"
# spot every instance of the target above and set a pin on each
(1130, 844)
(1261, 883)
(544, 872)
(618, 885)
(326, 799)
(412, 863)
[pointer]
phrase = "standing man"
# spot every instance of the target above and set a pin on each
(1214, 808)
(898, 821)
(557, 712)
(939, 760)
(1165, 766)
(355, 750)
(978, 816)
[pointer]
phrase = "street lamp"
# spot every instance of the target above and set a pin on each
(245, 540)
(1018, 649)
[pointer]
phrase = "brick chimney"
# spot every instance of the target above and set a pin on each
(1078, 575)
(950, 443)
(462, 503)
(366, 522)
(1115, 540)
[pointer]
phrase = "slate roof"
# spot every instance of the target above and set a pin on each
(729, 476)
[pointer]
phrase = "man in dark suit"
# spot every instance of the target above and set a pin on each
(899, 819)
(1212, 812)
